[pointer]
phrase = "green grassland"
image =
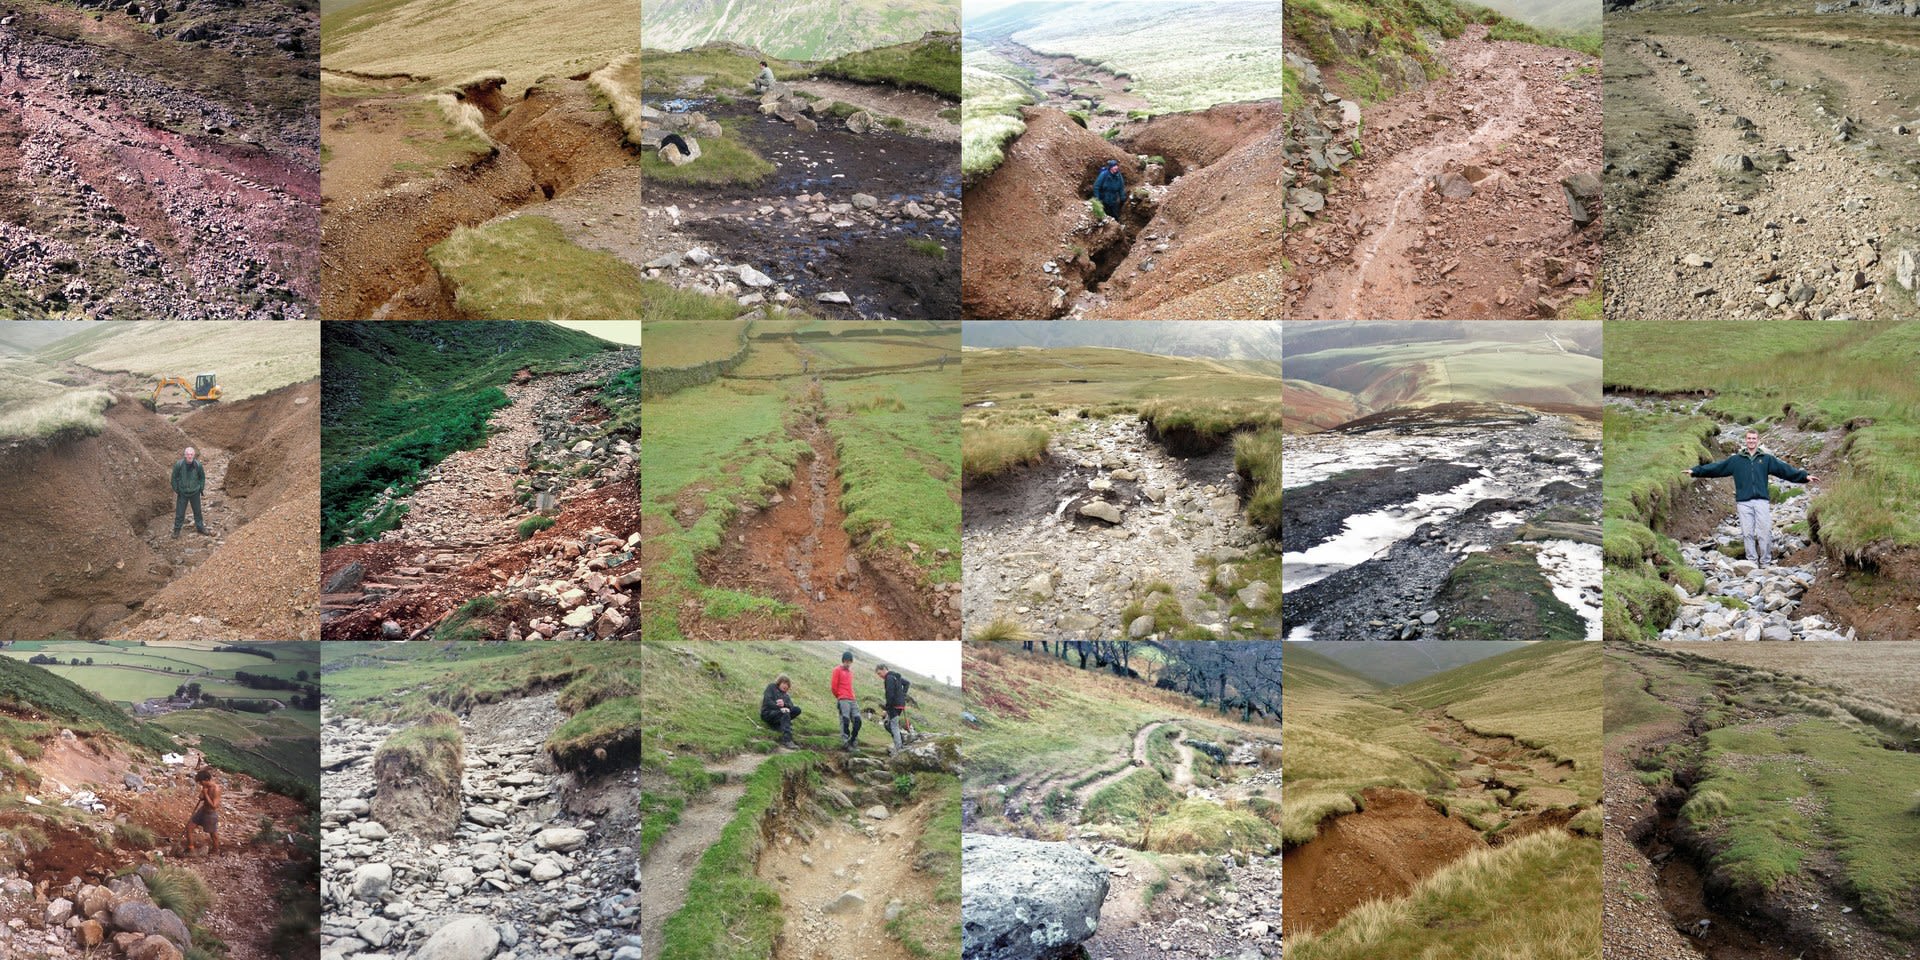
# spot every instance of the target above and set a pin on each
(1380, 377)
(1345, 733)
(598, 684)
(1789, 776)
(1817, 376)
(398, 398)
(1176, 63)
(704, 699)
(451, 39)
(1037, 720)
(715, 448)
(673, 343)
(723, 159)
(993, 91)
(931, 63)
(525, 266)
(1546, 695)
(898, 438)
(739, 455)
(1400, 29)
(801, 29)
(1036, 390)
(1344, 736)
(726, 69)
(1536, 897)
(36, 404)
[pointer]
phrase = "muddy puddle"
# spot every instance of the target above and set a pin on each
(796, 226)
(1376, 523)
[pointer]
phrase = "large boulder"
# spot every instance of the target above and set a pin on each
(1027, 899)
(676, 157)
(135, 917)
(1583, 197)
(939, 755)
(861, 122)
(463, 938)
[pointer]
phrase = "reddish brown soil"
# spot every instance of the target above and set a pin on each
(798, 551)
(614, 507)
(216, 209)
(378, 228)
(1380, 852)
(1883, 606)
(1389, 247)
(1021, 214)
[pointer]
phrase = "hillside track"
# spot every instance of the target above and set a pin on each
(1810, 226)
(1455, 209)
(459, 537)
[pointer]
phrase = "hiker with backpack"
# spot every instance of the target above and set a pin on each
(894, 701)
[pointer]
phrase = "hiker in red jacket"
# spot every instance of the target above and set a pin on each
(843, 694)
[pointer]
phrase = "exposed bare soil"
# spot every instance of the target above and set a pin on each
(389, 199)
(1509, 120)
(91, 526)
(1380, 852)
(163, 172)
(1203, 242)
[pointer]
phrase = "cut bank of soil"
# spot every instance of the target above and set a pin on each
(90, 526)
(797, 550)
(379, 225)
(1511, 118)
(1380, 852)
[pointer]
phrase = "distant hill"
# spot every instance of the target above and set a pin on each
(1392, 663)
(1574, 16)
(794, 29)
(1545, 372)
(1170, 338)
(28, 336)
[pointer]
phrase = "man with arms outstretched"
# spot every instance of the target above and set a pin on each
(1749, 469)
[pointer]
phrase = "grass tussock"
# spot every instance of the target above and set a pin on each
(988, 451)
(463, 117)
(1536, 897)
(931, 63)
(1256, 457)
(526, 267)
(177, 888)
(619, 83)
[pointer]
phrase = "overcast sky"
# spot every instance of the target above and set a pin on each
(619, 331)
(939, 659)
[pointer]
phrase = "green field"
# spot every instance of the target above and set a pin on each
(673, 343)
(1799, 781)
(1855, 378)
(714, 448)
(128, 672)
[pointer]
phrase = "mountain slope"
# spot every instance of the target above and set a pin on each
(794, 29)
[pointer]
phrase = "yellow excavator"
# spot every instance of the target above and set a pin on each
(203, 389)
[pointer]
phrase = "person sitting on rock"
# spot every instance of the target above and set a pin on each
(765, 81)
(206, 815)
(1110, 188)
(895, 702)
(1749, 469)
(777, 709)
(842, 684)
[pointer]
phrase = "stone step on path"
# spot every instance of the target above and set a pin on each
(1759, 602)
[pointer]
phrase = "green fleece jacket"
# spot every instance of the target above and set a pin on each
(189, 477)
(1750, 473)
